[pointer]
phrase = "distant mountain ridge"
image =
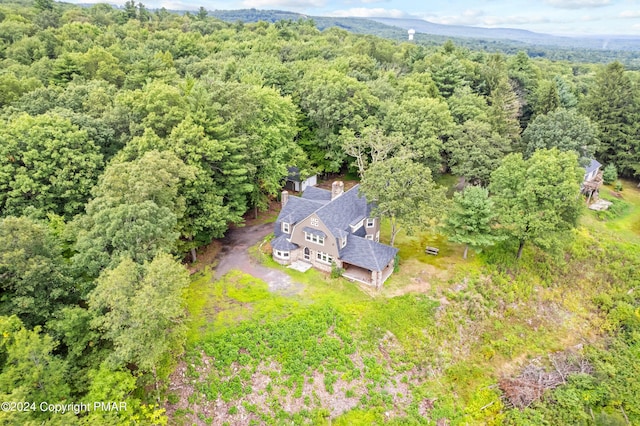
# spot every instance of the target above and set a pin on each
(586, 42)
(396, 28)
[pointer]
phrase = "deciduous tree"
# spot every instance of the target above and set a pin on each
(404, 192)
(134, 213)
(475, 151)
(140, 309)
(539, 198)
(34, 277)
(47, 165)
(563, 129)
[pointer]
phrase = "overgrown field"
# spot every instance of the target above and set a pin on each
(436, 346)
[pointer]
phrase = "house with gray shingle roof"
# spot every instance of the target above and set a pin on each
(327, 228)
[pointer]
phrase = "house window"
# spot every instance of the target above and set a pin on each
(343, 242)
(314, 221)
(369, 237)
(281, 254)
(285, 228)
(324, 257)
(314, 238)
(371, 222)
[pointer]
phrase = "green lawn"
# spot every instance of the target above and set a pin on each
(431, 344)
(629, 223)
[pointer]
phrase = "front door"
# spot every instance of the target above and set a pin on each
(307, 254)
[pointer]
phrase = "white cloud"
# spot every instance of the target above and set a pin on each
(177, 5)
(296, 4)
(478, 18)
(630, 14)
(577, 4)
(363, 12)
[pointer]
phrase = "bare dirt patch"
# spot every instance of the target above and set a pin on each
(416, 277)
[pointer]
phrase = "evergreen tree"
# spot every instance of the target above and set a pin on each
(612, 104)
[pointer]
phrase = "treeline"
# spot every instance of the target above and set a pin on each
(552, 48)
(131, 137)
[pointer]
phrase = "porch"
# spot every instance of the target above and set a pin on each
(356, 273)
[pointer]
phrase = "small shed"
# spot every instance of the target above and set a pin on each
(295, 183)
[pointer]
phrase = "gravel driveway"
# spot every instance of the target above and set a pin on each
(234, 255)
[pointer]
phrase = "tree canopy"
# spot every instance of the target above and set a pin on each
(538, 198)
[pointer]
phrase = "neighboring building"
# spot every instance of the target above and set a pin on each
(322, 227)
(591, 171)
(295, 183)
(592, 180)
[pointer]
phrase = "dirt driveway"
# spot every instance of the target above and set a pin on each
(234, 255)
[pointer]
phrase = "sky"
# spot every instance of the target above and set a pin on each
(560, 17)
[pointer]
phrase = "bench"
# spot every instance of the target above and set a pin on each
(432, 250)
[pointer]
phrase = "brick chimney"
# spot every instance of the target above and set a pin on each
(337, 188)
(284, 197)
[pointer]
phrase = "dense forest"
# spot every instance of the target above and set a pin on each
(130, 138)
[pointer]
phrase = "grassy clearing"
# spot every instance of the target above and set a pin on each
(431, 345)
(623, 224)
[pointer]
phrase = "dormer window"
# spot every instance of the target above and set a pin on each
(286, 228)
(343, 241)
(357, 226)
(371, 222)
(314, 235)
(314, 238)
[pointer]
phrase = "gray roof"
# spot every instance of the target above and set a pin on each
(355, 221)
(339, 213)
(593, 165)
(293, 174)
(294, 211)
(340, 233)
(316, 194)
(281, 243)
(367, 253)
(314, 231)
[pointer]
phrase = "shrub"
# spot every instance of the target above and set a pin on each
(609, 174)
(618, 186)
(335, 271)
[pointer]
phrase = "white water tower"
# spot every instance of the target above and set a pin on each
(411, 33)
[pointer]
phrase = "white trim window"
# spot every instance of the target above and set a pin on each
(281, 254)
(369, 237)
(343, 242)
(314, 238)
(286, 228)
(315, 222)
(371, 222)
(324, 258)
